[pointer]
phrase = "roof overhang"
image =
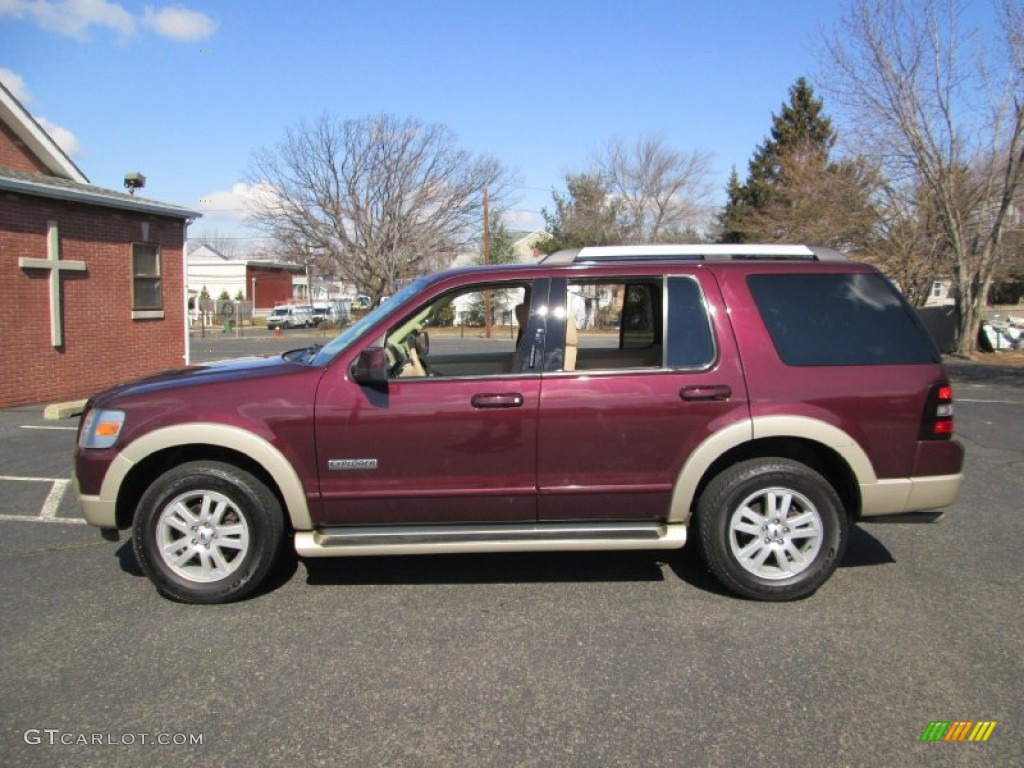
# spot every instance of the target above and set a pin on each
(38, 141)
(281, 265)
(93, 196)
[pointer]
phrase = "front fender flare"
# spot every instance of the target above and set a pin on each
(222, 435)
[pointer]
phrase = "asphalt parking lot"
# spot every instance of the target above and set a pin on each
(216, 345)
(601, 659)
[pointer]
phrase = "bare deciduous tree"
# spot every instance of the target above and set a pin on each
(225, 245)
(1009, 276)
(662, 193)
(908, 245)
(944, 111)
(374, 200)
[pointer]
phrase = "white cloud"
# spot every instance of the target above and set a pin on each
(65, 139)
(529, 220)
(179, 23)
(71, 18)
(15, 83)
(234, 203)
(77, 18)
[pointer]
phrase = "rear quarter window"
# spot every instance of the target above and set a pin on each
(840, 319)
(690, 343)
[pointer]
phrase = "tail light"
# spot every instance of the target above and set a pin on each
(937, 423)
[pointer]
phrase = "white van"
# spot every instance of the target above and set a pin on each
(290, 316)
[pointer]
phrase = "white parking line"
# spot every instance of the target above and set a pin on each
(31, 426)
(27, 519)
(20, 479)
(48, 513)
(53, 499)
(996, 402)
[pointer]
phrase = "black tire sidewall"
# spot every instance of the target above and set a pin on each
(255, 503)
(722, 497)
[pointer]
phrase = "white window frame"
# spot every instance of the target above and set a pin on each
(147, 313)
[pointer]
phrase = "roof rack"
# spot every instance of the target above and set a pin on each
(740, 252)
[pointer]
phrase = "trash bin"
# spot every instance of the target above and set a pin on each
(229, 325)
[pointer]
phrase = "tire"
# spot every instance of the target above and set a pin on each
(207, 532)
(771, 529)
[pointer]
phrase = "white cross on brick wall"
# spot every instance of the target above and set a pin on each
(53, 263)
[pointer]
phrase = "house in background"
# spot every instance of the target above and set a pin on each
(525, 246)
(527, 243)
(265, 283)
(941, 294)
(92, 287)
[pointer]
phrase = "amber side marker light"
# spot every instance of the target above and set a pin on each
(108, 429)
(101, 429)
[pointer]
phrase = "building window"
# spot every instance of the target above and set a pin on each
(937, 290)
(147, 294)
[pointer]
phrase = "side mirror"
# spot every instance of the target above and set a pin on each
(371, 367)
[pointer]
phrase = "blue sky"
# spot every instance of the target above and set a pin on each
(186, 92)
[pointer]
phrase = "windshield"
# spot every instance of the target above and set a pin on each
(353, 332)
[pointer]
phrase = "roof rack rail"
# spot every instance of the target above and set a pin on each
(740, 252)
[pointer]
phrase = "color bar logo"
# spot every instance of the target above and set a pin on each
(958, 730)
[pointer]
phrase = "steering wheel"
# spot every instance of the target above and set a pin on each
(407, 357)
(397, 357)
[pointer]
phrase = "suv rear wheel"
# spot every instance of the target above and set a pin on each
(207, 532)
(771, 529)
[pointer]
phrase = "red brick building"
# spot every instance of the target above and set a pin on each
(267, 283)
(91, 280)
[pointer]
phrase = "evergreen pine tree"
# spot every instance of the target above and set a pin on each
(586, 215)
(502, 242)
(730, 218)
(800, 132)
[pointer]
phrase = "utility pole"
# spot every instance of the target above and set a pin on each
(487, 260)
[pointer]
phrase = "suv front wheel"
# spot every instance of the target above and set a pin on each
(771, 529)
(207, 532)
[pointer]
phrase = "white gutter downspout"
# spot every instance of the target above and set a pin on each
(184, 287)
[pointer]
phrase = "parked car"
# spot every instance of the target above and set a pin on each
(291, 316)
(760, 399)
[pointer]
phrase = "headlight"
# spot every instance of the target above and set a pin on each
(101, 429)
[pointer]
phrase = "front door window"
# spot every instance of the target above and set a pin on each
(452, 435)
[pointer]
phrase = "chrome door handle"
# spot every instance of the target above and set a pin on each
(497, 400)
(706, 392)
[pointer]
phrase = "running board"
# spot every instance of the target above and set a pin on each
(449, 539)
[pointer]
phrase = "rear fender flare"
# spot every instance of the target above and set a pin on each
(735, 435)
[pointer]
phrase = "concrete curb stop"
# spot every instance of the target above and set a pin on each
(57, 411)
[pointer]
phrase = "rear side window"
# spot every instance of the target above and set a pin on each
(616, 323)
(840, 319)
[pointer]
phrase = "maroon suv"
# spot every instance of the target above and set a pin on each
(763, 397)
